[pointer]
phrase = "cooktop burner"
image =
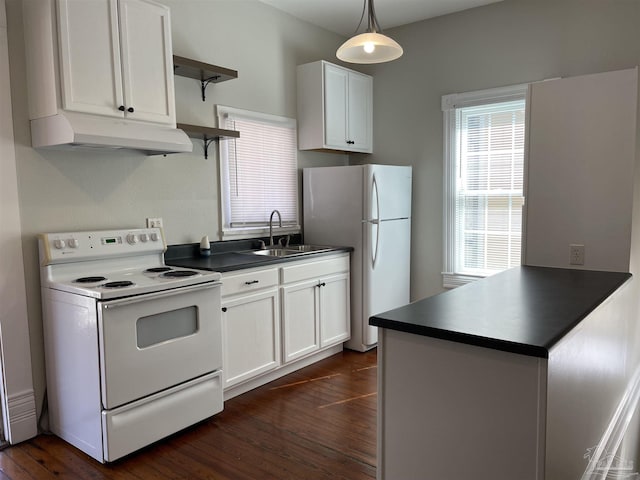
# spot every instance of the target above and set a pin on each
(89, 279)
(180, 273)
(158, 269)
(121, 284)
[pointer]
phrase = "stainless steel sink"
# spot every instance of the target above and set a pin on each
(274, 252)
(289, 251)
(308, 248)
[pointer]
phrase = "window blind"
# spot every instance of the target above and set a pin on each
(489, 197)
(258, 170)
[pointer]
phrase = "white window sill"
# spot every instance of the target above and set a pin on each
(454, 280)
(245, 233)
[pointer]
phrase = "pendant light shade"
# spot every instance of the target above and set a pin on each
(371, 46)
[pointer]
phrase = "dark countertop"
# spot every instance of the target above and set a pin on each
(523, 310)
(225, 259)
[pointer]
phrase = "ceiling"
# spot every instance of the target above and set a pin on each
(342, 16)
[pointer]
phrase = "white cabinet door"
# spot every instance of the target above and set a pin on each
(348, 109)
(116, 59)
(301, 334)
(336, 84)
(360, 109)
(251, 335)
(335, 323)
(335, 108)
(91, 80)
(147, 62)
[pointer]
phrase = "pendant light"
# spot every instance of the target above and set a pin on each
(371, 46)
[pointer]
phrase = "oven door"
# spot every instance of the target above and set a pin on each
(152, 342)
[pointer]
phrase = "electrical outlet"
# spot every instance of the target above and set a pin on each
(154, 222)
(576, 254)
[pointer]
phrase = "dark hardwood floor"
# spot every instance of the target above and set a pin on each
(317, 423)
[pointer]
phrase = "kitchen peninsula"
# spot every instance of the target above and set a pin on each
(516, 376)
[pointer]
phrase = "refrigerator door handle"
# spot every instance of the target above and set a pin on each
(375, 221)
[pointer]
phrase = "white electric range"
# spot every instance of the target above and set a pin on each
(133, 348)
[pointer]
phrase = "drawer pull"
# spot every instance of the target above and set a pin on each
(251, 282)
(322, 284)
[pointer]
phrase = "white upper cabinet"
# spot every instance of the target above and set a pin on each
(116, 59)
(335, 108)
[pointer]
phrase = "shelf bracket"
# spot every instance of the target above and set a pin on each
(207, 142)
(205, 83)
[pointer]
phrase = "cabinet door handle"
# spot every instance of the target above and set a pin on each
(121, 108)
(322, 284)
(130, 110)
(224, 309)
(251, 282)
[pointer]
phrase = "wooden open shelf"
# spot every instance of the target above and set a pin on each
(207, 134)
(205, 72)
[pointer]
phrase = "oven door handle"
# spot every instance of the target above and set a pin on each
(164, 294)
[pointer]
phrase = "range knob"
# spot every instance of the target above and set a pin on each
(132, 239)
(59, 244)
(154, 237)
(73, 243)
(144, 237)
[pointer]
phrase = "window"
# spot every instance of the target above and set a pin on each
(484, 161)
(258, 173)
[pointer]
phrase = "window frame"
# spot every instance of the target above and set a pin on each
(227, 232)
(450, 103)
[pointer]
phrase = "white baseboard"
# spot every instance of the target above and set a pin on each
(279, 372)
(22, 423)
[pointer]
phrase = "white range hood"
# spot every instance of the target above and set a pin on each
(70, 129)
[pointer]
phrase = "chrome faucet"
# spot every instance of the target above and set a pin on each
(271, 226)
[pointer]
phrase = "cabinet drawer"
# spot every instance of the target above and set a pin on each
(247, 281)
(309, 270)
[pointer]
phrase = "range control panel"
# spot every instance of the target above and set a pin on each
(79, 246)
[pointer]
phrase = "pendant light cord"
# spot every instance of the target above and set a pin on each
(374, 26)
(372, 22)
(364, 8)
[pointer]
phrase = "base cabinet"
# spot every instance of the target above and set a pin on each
(251, 332)
(250, 324)
(301, 325)
(276, 318)
(335, 316)
(315, 306)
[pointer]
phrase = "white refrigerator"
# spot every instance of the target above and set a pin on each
(367, 207)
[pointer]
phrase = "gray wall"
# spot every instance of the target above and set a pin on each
(511, 42)
(80, 190)
(506, 43)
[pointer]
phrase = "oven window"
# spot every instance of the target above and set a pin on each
(165, 326)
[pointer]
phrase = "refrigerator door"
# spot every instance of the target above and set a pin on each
(387, 192)
(386, 265)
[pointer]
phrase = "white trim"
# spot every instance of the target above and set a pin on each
(483, 97)
(16, 395)
(22, 418)
(448, 203)
(281, 371)
(454, 280)
(244, 233)
(450, 103)
(226, 231)
(223, 111)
